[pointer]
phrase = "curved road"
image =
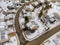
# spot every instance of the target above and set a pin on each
(36, 41)
(17, 26)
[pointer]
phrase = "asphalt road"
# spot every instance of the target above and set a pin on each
(17, 26)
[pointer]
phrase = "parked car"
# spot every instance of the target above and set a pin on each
(50, 19)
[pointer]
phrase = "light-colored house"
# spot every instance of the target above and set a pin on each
(10, 22)
(2, 28)
(2, 17)
(3, 24)
(3, 37)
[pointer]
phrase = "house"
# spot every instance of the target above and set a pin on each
(3, 37)
(2, 17)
